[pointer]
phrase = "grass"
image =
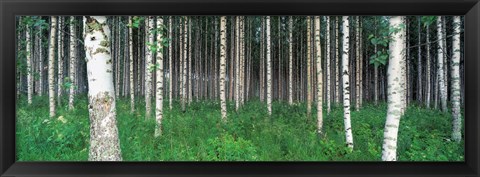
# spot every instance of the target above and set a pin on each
(249, 135)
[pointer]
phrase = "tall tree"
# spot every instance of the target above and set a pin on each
(159, 79)
(269, 69)
(170, 65)
(337, 64)
(184, 75)
(237, 66)
(327, 53)
(130, 50)
(73, 60)
(318, 58)
(223, 45)
(357, 62)
(309, 69)
(440, 64)
(455, 73)
(290, 61)
(60, 60)
(419, 62)
(148, 67)
(104, 140)
(29, 52)
(427, 72)
(51, 65)
(346, 81)
(395, 88)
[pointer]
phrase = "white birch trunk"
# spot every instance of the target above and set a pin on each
(346, 82)
(73, 60)
(309, 68)
(318, 59)
(130, 51)
(237, 66)
(327, 53)
(440, 64)
(60, 60)
(269, 69)
(184, 79)
(395, 90)
(223, 52)
(29, 64)
(428, 87)
(104, 140)
(357, 62)
(170, 60)
(457, 117)
(337, 65)
(148, 70)
(51, 65)
(290, 61)
(159, 80)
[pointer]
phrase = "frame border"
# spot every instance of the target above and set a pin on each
(10, 8)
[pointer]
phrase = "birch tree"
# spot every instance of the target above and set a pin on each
(60, 60)
(148, 69)
(346, 81)
(51, 65)
(327, 53)
(318, 57)
(223, 52)
(170, 65)
(455, 73)
(104, 140)
(440, 64)
(73, 60)
(309, 68)
(29, 52)
(290, 61)
(159, 80)
(130, 55)
(269, 69)
(395, 88)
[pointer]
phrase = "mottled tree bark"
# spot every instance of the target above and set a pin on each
(73, 59)
(51, 65)
(269, 69)
(456, 113)
(104, 141)
(346, 82)
(223, 45)
(318, 58)
(159, 79)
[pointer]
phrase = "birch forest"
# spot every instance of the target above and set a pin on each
(240, 88)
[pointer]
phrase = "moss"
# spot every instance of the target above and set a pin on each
(101, 50)
(105, 43)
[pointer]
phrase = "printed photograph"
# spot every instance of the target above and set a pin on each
(240, 88)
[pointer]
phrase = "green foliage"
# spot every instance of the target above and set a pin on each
(249, 134)
(137, 21)
(428, 20)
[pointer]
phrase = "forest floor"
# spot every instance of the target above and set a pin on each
(250, 135)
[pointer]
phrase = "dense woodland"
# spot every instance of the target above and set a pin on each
(221, 88)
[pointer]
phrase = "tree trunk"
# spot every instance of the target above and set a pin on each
(148, 67)
(440, 64)
(60, 60)
(309, 69)
(159, 80)
(456, 112)
(327, 53)
(337, 65)
(346, 82)
(318, 58)
(73, 59)
(130, 50)
(357, 62)
(223, 45)
(104, 140)
(237, 66)
(419, 66)
(427, 72)
(51, 65)
(290, 62)
(170, 60)
(184, 79)
(29, 63)
(269, 70)
(395, 90)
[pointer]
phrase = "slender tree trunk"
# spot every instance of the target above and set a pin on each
(337, 65)
(456, 113)
(290, 62)
(440, 64)
(346, 82)
(148, 67)
(29, 63)
(159, 75)
(360, 92)
(318, 58)
(237, 66)
(73, 59)
(130, 50)
(51, 65)
(427, 72)
(232, 60)
(60, 60)
(269, 70)
(309, 69)
(327, 53)
(104, 140)
(395, 90)
(357, 62)
(375, 69)
(190, 78)
(223, 45)
(184, 79)
(419, 66)
(170, 60)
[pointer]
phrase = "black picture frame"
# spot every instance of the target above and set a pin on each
(9, 9)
